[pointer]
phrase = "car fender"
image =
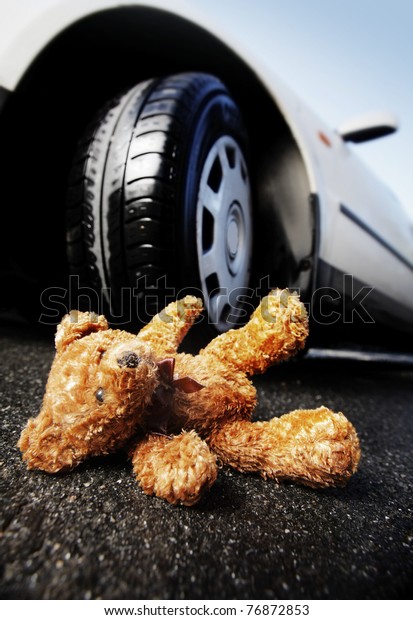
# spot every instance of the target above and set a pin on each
(24, 34)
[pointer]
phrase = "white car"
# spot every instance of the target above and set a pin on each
(184, 164)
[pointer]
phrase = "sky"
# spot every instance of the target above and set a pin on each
(344, 58)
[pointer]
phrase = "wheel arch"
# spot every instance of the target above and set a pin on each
(105, 52)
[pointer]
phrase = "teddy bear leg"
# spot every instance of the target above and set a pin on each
(167, 329)
(317, 448)
(277, 329)
(179, 469)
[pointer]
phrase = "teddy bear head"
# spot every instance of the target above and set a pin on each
(99, 368)
(100, 385)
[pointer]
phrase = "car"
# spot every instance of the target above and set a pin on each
(145, 154)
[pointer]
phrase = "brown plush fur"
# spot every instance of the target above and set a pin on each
(110, 389)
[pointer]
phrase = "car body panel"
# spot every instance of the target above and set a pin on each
(363, 230)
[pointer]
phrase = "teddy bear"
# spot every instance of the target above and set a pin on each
(181, 416)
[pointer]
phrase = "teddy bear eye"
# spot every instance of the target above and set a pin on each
(100, 394)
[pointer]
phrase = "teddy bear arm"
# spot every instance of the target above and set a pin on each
(165, 332)
(278, 328)
(317, 448)
(179, 469)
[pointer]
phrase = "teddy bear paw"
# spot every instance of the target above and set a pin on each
(179, 469)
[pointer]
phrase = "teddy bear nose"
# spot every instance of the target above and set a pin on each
(129, 359)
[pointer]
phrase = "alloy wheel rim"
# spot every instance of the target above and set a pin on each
(224, 232)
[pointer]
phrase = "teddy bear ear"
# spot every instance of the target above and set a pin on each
(76, 325)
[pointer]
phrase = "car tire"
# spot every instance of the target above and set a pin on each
(159, 200)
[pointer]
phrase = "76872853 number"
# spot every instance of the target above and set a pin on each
(278, 610)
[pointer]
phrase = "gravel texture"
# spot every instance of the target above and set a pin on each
(92, 534)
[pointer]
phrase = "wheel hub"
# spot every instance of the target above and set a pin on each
(232, 238)
(235, 238)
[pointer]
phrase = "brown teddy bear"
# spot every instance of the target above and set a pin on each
(178, 413)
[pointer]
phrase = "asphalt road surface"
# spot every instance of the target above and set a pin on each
(92, 534)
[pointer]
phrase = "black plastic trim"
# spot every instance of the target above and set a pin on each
(4, 95)
(315, 206)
